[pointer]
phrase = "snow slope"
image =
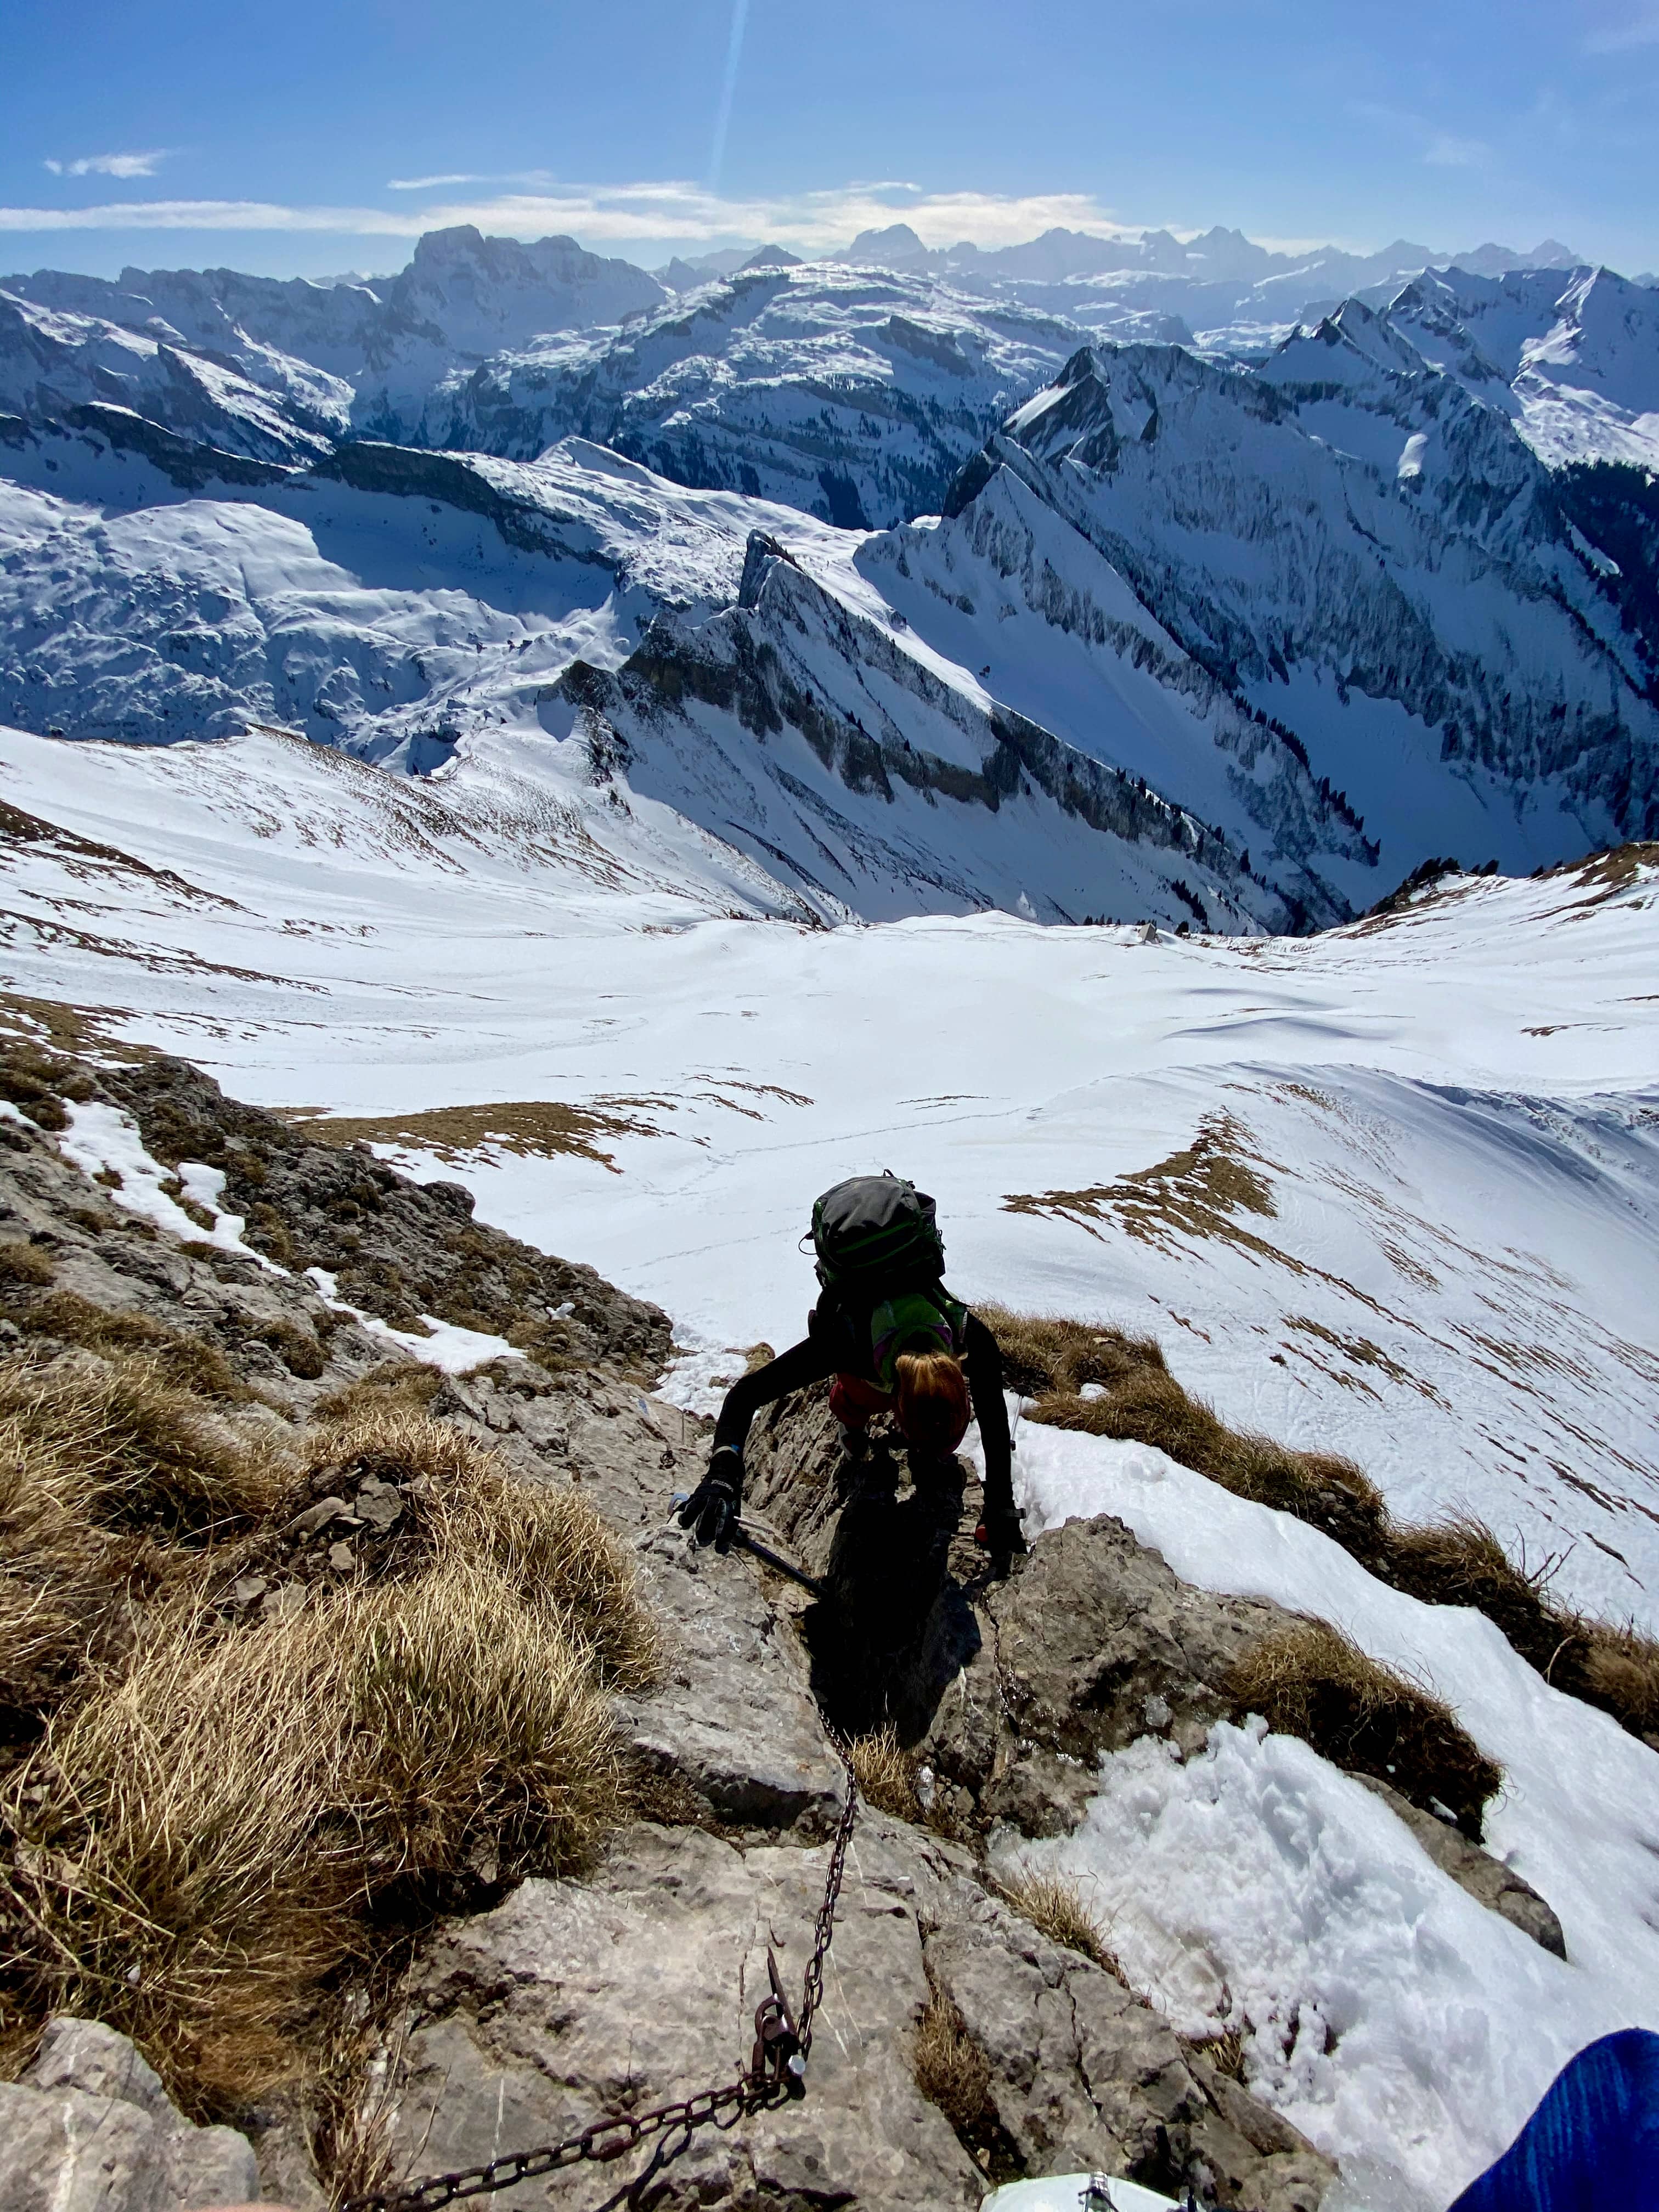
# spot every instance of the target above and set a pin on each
(1402, 2026)
(1446, 1264)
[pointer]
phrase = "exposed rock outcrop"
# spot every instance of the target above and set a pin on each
(537, 2009)
(90, 2129)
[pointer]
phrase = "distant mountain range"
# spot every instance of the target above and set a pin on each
(981, 578)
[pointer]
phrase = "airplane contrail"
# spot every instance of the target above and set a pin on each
(734, 54)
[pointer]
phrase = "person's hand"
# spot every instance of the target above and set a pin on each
(1001, 1534)
(711, 1511)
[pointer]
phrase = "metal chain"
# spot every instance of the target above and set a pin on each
(775, 2073)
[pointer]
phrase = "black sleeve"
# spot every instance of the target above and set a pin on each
(809, 1361)
(984, 1365)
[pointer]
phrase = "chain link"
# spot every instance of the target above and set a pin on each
(774, 2074)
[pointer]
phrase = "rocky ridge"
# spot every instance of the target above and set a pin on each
(562, 2001)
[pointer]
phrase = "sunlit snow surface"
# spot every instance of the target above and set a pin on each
(1389, 2015)
(1451, 1117)
(1403, 1205)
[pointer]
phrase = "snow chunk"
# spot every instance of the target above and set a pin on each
(696, 1380)
(104, 1140)
(445, 1346)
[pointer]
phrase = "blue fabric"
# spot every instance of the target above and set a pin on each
(1592, 2145)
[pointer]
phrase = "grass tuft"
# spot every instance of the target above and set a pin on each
(1620, 1671)
(1053, 1905)
(1310, 1680)
(950, 2070)
(189, 1361)
(402, 1385)
(886, 1773)
(227, 1813)
(481, 1733)
(24, 1263)
(134, 1449)
(1043, 1353)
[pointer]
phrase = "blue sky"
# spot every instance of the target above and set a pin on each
(307, 138)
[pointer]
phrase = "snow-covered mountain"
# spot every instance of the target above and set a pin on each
(396, 605)
(59, 365)
(1345, 542)
(1574, 358)
(1236, 295)
(855, 394)
(1332, 604)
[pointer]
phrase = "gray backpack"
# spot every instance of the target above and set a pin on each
(876, 1232)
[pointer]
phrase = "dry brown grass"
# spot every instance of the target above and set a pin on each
(1310, 1681)
(1150, 1407)
(1055, 1908)
(37, 1082)
(61, 1576)
(297, 1348)
(1043, 1353)
(886, 1773)
(182, 1881)
(227, 1811)
(534, 1128)
(549, 1543)
(135, 1450)
(950, 2070)
(23, 1263)
(1225, 2052)
(1051, 1360)
(189, 1361)
(1619, 1670)
(407, 1385)
(1456, 1561)
(482, 1736)
(1459, 1561)
(351, 2096)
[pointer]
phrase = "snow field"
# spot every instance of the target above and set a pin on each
(1451, 1118)
(1396, 2022)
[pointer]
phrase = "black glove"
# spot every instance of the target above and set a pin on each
(712, 1507)
(1001, 1534)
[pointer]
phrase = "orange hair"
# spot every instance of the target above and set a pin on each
(932, 1400)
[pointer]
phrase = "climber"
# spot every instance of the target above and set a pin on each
(894, 1340)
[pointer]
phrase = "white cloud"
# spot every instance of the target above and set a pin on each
(617, 215)
(112, 165)
(1445, 152)
(469, 176)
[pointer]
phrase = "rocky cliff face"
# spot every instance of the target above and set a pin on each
(799, 728)
(1356, 550)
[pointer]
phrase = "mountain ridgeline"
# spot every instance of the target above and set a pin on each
(1209, 598)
